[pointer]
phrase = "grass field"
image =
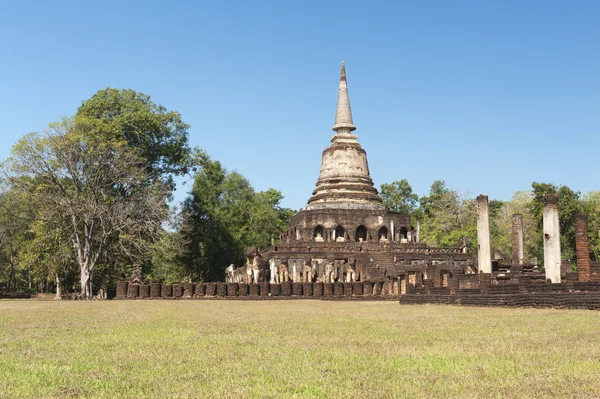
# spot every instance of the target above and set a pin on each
(294, 349)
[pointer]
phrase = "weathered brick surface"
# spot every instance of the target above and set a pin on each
(177, 290)
(166, 290)
(244, 290)
(199, 290)
(211, 289)
(221, 289)
(188, 290)
(275, 290)
(307, 289)
(121, 290)
(368, 289)
(297, 289)
(347, 289)
(265, 289)
(338, 289)
(575, 300)
(132, 291)
(286, 288)
(254, 289)
(357, 289)
(377, 288)
(155, 290)
(327, 289)
(318, 290)
(232, 289)
(144, 291)
(582, 247)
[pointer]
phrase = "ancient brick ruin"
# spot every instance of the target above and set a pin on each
(345, 244)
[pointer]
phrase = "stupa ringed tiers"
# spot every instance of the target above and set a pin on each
(345, 233)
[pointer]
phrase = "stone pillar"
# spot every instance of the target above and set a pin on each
(582, 247)
(518, 257)
(484, 253)
(418, 231)
(294, 272)
(393, 233)
(551, 238)
(272, 270)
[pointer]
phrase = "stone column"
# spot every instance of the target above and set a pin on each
(551, 238)
(517, 240)
(392, 232)
(484, 252)
(582, 247)
(418, 231)
(272, 269)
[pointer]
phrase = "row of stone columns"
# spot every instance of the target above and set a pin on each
(551, 230)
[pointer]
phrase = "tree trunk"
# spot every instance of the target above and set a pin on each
(58, 296)
(86, 293)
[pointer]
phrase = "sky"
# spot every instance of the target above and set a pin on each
(488, 96)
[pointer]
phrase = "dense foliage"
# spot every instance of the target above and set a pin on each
(449, 218)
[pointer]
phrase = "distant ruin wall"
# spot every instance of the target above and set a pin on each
(288, 290)
(472, 290)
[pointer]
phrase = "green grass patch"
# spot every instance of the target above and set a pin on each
(294, 349)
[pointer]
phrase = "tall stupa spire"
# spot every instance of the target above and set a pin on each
(343, 113)
(344, 180)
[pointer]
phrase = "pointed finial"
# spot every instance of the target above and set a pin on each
(343, 114)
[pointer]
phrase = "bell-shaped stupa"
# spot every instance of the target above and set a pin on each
(344, 180)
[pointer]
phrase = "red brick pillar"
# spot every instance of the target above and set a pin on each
(582, 247)
(517, 240)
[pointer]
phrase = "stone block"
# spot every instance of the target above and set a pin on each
(188, 290)
(318, 289)
(166, 290)
(243, 289)
(155, 290)
(121, 290)
(286, 288)
(221, 289)
(199, 290)
(307, 289)
(132, 291)
(275, 290)
(232, 289)
(297, 289)
(177, 290)
(347, 289)
(265, 289)
(211, 289)
(144, 291)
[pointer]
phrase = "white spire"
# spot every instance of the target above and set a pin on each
(343, 113)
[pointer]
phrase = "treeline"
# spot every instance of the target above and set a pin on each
(88, 200)
(449, 218)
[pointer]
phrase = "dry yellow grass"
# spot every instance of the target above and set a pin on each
(294, 349)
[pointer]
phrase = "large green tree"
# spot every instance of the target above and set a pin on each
(569, 204)
(591, 206)
(94, 190)
(159, 136)
(448, 218)
(501, 225)
(222, 216)
(399, 197)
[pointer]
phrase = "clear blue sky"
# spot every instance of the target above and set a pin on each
(486, 95)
